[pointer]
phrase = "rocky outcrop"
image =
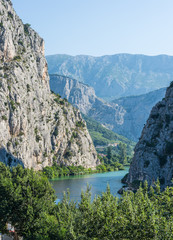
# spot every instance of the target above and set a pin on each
(153, 157)
(84, 98)
(137, 110)
(36, 127)
(125, 116)
(79, 94)
(118, 75)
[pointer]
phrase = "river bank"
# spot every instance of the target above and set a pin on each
(97, 181)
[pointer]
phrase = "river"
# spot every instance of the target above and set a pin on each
(98, 183)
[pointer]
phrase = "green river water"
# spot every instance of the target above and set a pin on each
(98, 183)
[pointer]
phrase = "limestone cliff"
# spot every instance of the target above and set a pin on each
(153, 157)
(79, 94)
(84, 98)
(36, 127)
(137, 110)
(125, 116)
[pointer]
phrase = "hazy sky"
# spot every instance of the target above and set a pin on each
(101, 27)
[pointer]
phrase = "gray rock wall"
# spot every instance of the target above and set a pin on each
(153, 157)
(125, 116)
(36, 127)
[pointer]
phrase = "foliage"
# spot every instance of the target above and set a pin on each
(27, 202)
(57, 171)
(109, 153)
(80, 124)
(142, 215)
(26, 28)
(102, 136)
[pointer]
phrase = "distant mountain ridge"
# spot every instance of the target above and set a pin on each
(125, 116)
(137, 111)
(116, 75)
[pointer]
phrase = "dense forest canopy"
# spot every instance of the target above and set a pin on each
(27, 201)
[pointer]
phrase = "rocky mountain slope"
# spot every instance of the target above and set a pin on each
(125, 116)
(37, 128)
(137, 110)
(104, 137)
(79, 94)
(153, 157)
(117, 75)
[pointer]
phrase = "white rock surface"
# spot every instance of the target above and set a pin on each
(36, 127)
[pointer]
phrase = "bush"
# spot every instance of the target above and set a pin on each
(80, 124)
(4, 118)
(17, 58)
(26, 28)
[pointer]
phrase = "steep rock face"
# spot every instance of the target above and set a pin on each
(153, 157)
(125, 116)
(137, 110)
(80, 95)
(36, 127)
(83, 97)
(118, 75)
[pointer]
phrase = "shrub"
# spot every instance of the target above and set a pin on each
(80, 124)
(10, 15)
(28, 88)
(12, 105)
(17, 58)
(4, 118)
(68, 153)
(38, 138)
(26, 28)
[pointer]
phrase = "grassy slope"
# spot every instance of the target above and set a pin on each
(102, 136)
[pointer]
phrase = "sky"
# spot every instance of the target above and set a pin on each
(101, 27)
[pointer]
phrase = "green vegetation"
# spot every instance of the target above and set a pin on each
(58, 99)
(80, 124)
(13, 106)
(10, 15)
(4, 118)
(102, 136)
(17, 58)
(57, 171)
(27, 202)
(60, 170)
(26, 28)
(28, 88)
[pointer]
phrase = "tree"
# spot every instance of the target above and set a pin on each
(123, 153)
(26, 202)
(109, 153)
